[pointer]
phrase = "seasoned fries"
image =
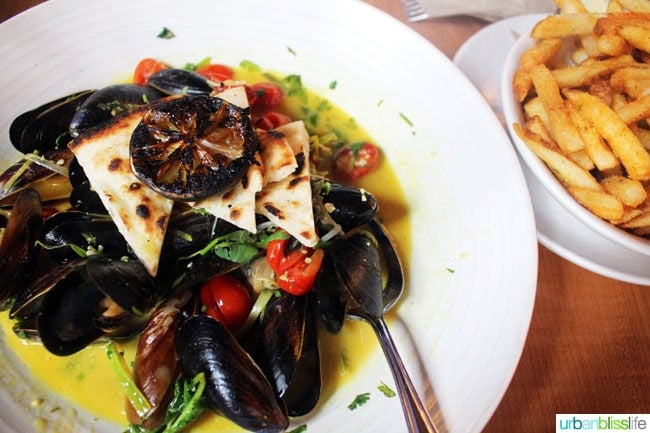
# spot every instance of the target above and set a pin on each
(584, 87)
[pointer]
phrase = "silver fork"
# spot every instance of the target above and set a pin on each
(414, 11)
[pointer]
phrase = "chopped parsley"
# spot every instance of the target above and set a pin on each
(386, 390)
(300, 429)
(359, 400)
(165, 33)
(249, 66)
(406, 119)
(333, 84)
(291, 51)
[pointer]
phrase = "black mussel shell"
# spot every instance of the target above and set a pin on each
(287, 351)
(358, 262)
(107, 103)
(83, 197)
(18, 251)
(45, 128)
(90, 233)
(192, 147)
(175, 81)
(66, 321)
(332, 298)
(349, 206)
(235, 386)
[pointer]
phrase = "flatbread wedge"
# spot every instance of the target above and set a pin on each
(288, 202)
(140, 214)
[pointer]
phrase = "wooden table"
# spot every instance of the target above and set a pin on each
(588, 348)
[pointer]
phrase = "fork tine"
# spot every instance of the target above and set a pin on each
(414, 11)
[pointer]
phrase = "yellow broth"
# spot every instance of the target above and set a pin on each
(86, 378)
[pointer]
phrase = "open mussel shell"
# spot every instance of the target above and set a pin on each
(45, 128)
(108, 102)
(236, 387)
(176, 81)
(66, 232)
(80, 301)
(358, 262)
(18, 249)
(348, 205)
(332, 297)
(287, 351)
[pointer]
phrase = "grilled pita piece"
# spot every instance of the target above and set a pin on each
(140, 213)
(288, 202)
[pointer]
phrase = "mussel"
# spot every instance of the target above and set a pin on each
(236, 387)
(347, 205)
(18, 249)
(175, 81)
(287, 351)
(108, 102)
(67, 235)
(80, 301)
(46, 127)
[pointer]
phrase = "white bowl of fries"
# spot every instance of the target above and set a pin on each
(577, 106)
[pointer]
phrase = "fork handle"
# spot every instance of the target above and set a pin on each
(416, 415)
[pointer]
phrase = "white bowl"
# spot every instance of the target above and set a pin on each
(513, 113)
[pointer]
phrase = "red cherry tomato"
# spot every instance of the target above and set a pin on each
(356, 160)
(216, 72)
(227, 300)
(262, 96)
(271, 120)
(145, 69)
(295, 270)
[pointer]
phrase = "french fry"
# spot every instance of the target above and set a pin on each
(570, 6)
(633, 80)
(630, 192)
(560, 126)
(612, 22)
(625, 145)
(612, 44)
(634, 111)
(638, 37)
(602, 204)
(595, 146)
(635, 5)
(562, 25)
(566, 170)
(582, 75)
(541, 53)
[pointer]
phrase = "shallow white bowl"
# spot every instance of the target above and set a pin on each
(513, 113)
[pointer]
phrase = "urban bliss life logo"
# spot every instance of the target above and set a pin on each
(602, 422)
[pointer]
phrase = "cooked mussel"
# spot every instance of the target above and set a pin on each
(67, 235)
(287, 351)
(236, 387)
(175, 81)
(18, 249)
(108, 102)
(46, 127)
(348, 205)
(80, 301)
(83, 197)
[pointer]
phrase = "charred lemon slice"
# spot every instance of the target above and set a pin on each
(192, 147)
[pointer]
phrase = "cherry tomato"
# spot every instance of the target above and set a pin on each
(262, 96)
(356, 160)
(216, 72)
(227, 300)
(295, 270)
(145, 69)
(275, 253)
(271, 120)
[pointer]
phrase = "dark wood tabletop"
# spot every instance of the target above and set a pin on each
(588, 346)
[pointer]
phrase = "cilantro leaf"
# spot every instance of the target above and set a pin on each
(359, 400)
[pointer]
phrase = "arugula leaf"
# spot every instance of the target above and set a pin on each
(359, 400)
